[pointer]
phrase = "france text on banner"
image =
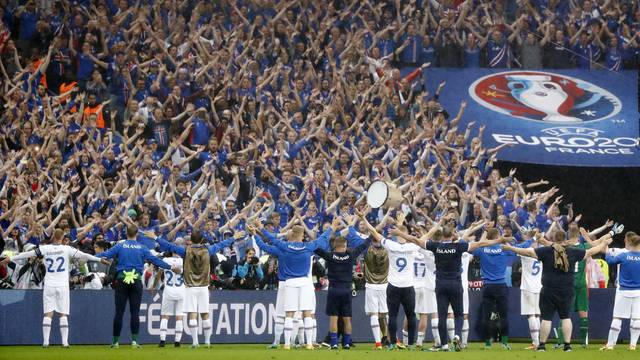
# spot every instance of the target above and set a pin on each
(555, 117)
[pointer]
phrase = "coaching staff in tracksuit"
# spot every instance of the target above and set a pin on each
(558, 264)
(448, 254)
(131, 257)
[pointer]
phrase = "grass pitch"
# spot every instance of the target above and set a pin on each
(258, 352)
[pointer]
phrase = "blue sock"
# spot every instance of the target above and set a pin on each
(346, 339)
(334, 338)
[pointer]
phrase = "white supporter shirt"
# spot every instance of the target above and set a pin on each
(466, 258)
(424, 270)
(173, 283)
(401, 258)
(531, 275)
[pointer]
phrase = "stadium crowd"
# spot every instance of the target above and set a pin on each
(183, 115)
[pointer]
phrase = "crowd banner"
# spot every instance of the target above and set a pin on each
(554, 117)
(238, 317)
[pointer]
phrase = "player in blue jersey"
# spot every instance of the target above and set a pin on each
(627, 303)
(295, 263)
(340, 263)
(493, 266)
(448, 254)
(131, 257)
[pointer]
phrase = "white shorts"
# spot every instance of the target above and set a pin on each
(529, 303)
(627, 304)
(426, 301)
(280, 299)
(55, 299)
(196, 300)
(375, 301)
(299, 295)
(172, 306)
(465, 302)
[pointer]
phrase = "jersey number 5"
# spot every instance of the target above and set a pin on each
(536, 268)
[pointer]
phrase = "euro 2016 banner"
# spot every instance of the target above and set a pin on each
(555, 117)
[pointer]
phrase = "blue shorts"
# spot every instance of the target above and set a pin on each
(339, 302)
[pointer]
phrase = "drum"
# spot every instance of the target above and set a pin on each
(381, 194)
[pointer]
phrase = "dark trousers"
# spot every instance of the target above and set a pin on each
(133, 294)
(494, 296)
(407, 298)
(449, 292)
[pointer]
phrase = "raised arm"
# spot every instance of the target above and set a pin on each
(168, 246)
(602, 246)
(148, 256)
(529, 252)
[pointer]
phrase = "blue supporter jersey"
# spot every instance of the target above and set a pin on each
(471, 57)
(585, 55)
(131, 256)
(411, 54)
(629, 276)
(497, 54)
(493, 263)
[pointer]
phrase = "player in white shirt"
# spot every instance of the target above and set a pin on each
(530, 286)
(172, 299)
(55, 296)
(400, 289)
(424, 274)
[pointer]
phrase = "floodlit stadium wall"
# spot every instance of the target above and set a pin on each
(238, 317)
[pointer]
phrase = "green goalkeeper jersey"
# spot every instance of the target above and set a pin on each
(580, 275)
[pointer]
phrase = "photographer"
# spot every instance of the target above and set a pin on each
(248, 273)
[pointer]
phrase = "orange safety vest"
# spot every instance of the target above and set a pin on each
(88, 111)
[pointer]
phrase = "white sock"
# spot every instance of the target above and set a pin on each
(375, 328)
(405, 337)
(288, 329)
(301, 332)
(46, 330)
(163, 329)
(614, 331)
(451, 328)
(278, 329)
(64, 330)
(436, 333)
(193, 325)
(206, 328)
(297, 323)
(420, 338)
(534, 329)
(308, 329)
(314, 330)
(179, 330)
(635, 332)
(465, 331)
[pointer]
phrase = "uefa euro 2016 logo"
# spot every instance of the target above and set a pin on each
(544, 96)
